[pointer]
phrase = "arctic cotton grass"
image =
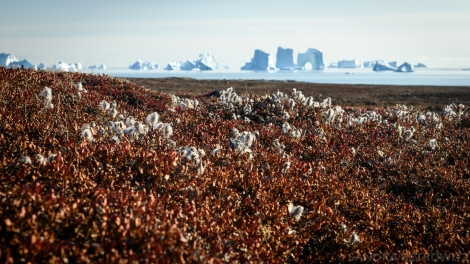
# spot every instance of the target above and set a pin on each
(152, 119)
(104, 106)
(167, 131)
(87, 135)
(433, 143)
(295, 211)
(80, 88)
(46, 93)
(242, 141)
(193, 155)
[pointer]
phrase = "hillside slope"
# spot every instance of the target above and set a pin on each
(99, 169)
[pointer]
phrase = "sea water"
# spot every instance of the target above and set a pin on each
(426, 76)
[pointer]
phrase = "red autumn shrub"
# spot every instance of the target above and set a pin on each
(362, 183)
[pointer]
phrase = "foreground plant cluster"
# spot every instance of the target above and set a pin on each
(98, 169)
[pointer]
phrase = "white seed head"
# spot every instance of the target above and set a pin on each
(87, 134)
(295, 211)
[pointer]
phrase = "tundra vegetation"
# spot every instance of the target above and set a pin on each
(99, 169)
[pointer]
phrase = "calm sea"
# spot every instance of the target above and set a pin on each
(435, 77)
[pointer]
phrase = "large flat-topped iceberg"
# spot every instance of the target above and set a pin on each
(345, 64)
(285, 59)
(311, 59)
(261, 61)
(348, 64)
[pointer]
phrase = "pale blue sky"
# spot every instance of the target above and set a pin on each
(119, 32)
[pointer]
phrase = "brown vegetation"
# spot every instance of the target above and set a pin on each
(431, 97)
(284, 178)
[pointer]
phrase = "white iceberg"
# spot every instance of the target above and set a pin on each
(348, 64)
(188, 65)
(369, 64)
(62, 66)
(143, 65)
(21, 64)
(173, 66)
(311, 59)
(206, 62)
(381, 66)
(261, 61)
(405, 67)
(97, 67)
(41, 66)
(6, 59)
(285, 59)
(333, 65)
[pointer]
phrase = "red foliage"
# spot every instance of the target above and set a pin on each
(365, 189)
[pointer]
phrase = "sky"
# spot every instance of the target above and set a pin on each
(119, 32)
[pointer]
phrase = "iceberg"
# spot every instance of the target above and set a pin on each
(381, 66)
(173, 66)
(311, 58)
(22, 64)
(206, 62)
(285, 59)
(41, 66)
(393, 64)
(348, 64)
(405, 67)
(6, 59)
(96, 67)
(143, 65)
(261, 61)
(62, 66)
(369, 64)
(78, 66)
(420, 65)
(188, 65)
(333, 65)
